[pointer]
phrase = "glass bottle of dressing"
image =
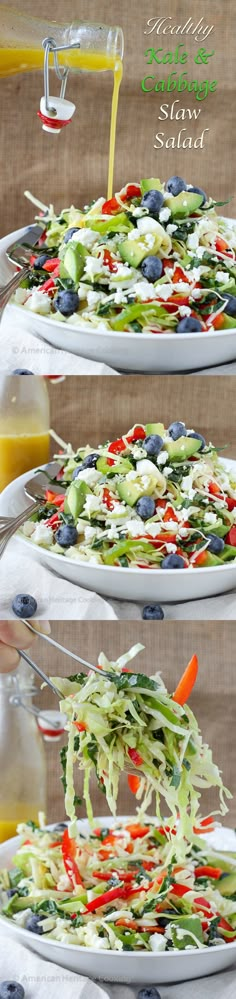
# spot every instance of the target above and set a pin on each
(24, 425)
(22, 756)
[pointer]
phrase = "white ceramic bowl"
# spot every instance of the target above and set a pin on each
(144, 353)
(113, 966)
(124, 584)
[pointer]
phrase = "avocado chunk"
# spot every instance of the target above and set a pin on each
(155, 428)
(120, 468)
(151, 184)
(132, 252)
(227, 886)
(74, 259)
(76, 497)
(130, 492)
(184, 204)
(183, 448)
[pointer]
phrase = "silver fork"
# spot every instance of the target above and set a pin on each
(61, 648)
(34, 489)
(19, 253)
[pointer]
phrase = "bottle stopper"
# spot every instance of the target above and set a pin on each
(52, 725)
(57, 115)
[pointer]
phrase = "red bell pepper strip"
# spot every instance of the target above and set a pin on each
(135, 757)
(201, 903)
(68, 847)
(179, 890)
(231, 503)
(231, 537)
(53, 521)
(179, 276)
(105, 899)
(108, 500)
(134, 783)
(80, 726)
(137, 435)
(214, 490)
(56, 498)
(136, 831)
(51, 264)
(122, 875)
(116, 447)
(186, 683)
(208, 872)
(48, 285)
(225, 926)
(110, 207)
(221, 245)
(109, 262)
(132, 191)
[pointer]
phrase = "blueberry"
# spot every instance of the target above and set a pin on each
(145, 507)
(153, 444)
(152, 268)
(152, 612)
(70, 233)
(189, 325)
(40, 261)
(22, 371)
(216, 545)
(177, 430)
(198, 437)
(11, 892)
(32, 924)
(173, 562)
(230, 307)
(153, 200)
(24, 605)
(11, 990)
(66, 302)
(76, 471)
(198, 190)
(175, 185)
(90, 461)
(150, 993)
(66, 536)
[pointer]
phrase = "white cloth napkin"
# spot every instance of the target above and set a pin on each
(42, 979)
(58, 599)
(20, 349)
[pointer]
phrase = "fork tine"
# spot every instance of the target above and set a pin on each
(39, 672)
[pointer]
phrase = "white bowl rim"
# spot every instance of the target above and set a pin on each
(109, 953)
(111, 568)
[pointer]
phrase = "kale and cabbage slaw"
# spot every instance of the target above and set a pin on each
(94, 267)
(130, 886)
(125, 506)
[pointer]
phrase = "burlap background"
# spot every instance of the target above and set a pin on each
(85, 410)
(169, 647)
(73, 166)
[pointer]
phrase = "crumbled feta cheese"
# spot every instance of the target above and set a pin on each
(164, 291)
(123, 270)
(92, 504)
(42, 535)
(144, 290)
(39, 302)
(93, 267)
(184, 310)
(135, 528)
(148, 225)
(187, 486)
(171, 228)
(83, 291)
(93, 298)
(157, 942)
(196, 293)
(193, 240)
(85, 236)
(90, 533)
(21, 295)
(171, 549)
(139, 212)
(150, 240)
(120, 297)
(210, 518)
(222, 277)
(28, 528)
(146, 467)
(167, 470)
(89, 475)
(164, 214)
(162, 458)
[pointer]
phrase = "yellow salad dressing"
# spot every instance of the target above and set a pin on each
(18, 453)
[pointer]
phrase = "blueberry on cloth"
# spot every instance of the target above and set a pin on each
(11, 990)
(152, 612)
(149, 993)
(24, 605)
(22, 371)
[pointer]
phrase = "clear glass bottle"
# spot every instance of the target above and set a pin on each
(24, 425)
(22, 756)
(21, 37)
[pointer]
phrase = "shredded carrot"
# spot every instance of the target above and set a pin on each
(186, 683)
